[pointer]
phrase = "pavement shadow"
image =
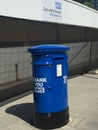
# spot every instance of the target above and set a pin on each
(24, 111)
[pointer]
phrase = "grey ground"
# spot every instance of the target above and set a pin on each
(83, 104)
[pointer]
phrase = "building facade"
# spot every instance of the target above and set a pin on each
(94, 4)
(91, 3)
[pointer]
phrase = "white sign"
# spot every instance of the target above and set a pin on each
(59, 70)
(52, 10)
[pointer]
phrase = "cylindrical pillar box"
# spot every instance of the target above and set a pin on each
(50, 71)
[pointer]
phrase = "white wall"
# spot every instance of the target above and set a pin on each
(72, 13)
(77, 14)
(28, 9)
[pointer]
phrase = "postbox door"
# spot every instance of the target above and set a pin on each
(43, 91)
(60, 83)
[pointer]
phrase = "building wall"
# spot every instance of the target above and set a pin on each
(79, 56)
(17, 32)
(17, 35)
(15, 64)
(94, 4)
(73, 13)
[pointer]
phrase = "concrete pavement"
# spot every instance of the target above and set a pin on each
(83, 104)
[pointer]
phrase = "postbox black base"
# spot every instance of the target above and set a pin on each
(51, 120)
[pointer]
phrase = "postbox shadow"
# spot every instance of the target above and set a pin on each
(23, 111)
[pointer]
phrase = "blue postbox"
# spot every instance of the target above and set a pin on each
(50, 71)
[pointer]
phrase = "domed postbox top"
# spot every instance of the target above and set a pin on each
(48, 48)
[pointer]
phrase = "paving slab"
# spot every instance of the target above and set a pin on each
(88, 124)
(83, 106)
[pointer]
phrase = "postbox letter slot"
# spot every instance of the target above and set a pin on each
(59, 58)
